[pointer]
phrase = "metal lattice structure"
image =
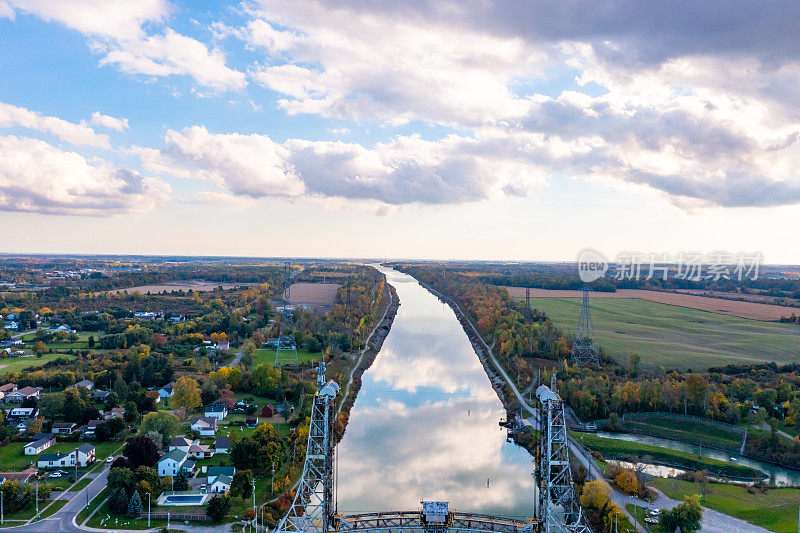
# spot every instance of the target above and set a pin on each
(583, 348)
(413, 522)
(559, 510)
(312, 508)
(286, 347)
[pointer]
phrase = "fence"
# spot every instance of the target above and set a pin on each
(173, 516)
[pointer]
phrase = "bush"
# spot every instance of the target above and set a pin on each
(218, 507)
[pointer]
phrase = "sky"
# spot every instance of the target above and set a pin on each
(439, 129)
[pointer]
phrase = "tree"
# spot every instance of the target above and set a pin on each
(181, 481)
(685, 516)
(141, 451)
(218, 507)
(163, 422)
(135, 506)
(626, 480)
(240, 486)
(118, 501)
(594, 494)
(91, 341)
(186, 394)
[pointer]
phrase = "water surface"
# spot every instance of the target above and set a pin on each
(424, 425)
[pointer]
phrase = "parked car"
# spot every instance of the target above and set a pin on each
(55, 474)
(651, 520)
(654, 512)
(110, 459)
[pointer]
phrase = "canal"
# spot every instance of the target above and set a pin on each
(424, 424)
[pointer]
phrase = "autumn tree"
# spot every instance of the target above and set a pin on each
(186, 394)
(594, 494)
(626, 480)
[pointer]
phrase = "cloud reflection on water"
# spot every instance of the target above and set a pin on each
(424, 425)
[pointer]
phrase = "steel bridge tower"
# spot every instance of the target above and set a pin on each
(312, 510)
(559, 510)
(286, 349)
(583, 348)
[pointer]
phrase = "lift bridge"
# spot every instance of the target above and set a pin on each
(312, 509)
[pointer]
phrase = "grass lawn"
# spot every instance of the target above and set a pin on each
(687, 430)
(52, 509)
(640, 513)
(82, 484)
(18, 364)
(104, 519)
(776, 509)
(12, 457)
(673, 336)
(629, 451)
(267, 355)
(86, 511)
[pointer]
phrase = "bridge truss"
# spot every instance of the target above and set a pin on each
(312, 510)
(559, 509)
(414, 522)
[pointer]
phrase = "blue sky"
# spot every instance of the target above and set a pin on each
(467, 130)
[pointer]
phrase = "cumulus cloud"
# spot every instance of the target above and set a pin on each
(403, 171)
(78, 134)
(700, 103)
(6, 11)
(114, 123)
(38, 177)
(117, 30)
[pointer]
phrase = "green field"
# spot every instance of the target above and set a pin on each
(267, 355)
(12, 456)
(629, 451)
(776, 509)
(674, 336)
(688, 430)
(18, 364)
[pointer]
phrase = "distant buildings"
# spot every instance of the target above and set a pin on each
(206, 426)
(217, 411)
(38, 446)
(173, 462)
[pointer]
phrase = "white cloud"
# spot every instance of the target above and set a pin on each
(6, 11)
(38, 177)
(699, 103)
(114, 123)
(117, 31)
(78, 134)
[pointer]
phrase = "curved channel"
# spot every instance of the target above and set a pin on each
(425, 423)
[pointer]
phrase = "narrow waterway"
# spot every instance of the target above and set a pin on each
(424, 425)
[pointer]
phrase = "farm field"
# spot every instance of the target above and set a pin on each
(195, 285)
(753, 310)
(775, 509)
(676, 337)
(313, 293)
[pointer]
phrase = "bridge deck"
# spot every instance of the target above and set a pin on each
(413, 522)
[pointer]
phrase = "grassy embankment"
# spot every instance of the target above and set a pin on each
(774, 509)
(631, 451)
(674, 336)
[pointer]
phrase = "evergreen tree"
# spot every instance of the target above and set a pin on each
(118, 501)
(182, 481)
(135, 506)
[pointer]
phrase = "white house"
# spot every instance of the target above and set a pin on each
(180, 443)
(166, 390)
(38, 446)
(19, 396)
(217, 411)
(83, 455)
(64, 428)
(86, 384)
(22, 414)
(11, 325)
(219, 479)
(206, 426)
(173, 462)
(200, 451)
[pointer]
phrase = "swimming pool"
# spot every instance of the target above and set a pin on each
(191, 498)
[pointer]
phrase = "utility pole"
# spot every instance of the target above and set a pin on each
(253, 481)
(37, 496)
(2, 515)
(149, 497)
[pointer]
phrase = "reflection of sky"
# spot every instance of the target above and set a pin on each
(424, 425)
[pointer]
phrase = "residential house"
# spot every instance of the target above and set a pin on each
(222, 445)
(251, 421)
(268, 411)
(8, 388)
(180, 443)
(86, 384)
(82, 456)
(224, 345)
(206, 426)
(21, 414)
(100, 395)
(115, 412)
(90, 427)
(11, 325)
(217, 411)
(219, 479)
(173, 462)
(62, 327)
(38, 446)
(19, 396)
(200, 451)
(64, 428)
(146, 315)
(166, 390)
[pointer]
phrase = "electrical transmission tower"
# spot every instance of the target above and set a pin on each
(559, 510)
(312, 510)
(286, 349)
(583, 349)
